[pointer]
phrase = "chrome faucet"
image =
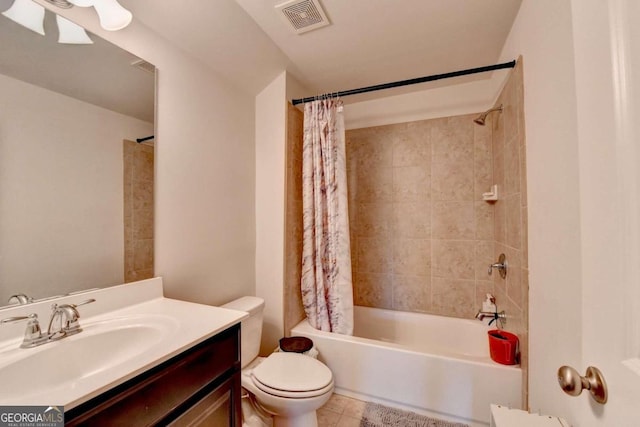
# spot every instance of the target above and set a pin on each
(481, 315)
(501, 266)
(495, 317)
(68, 316)
(490, 310)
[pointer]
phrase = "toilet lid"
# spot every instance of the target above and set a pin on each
(292, 372)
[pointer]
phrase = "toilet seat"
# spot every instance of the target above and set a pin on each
(292, 375)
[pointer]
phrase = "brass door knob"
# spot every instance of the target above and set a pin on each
(572, 383)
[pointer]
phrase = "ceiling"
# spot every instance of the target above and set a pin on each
(368, 41)
(377, 41)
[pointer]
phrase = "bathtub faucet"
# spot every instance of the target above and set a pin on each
(481, 315)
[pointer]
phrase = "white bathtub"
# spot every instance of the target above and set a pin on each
(433, 365)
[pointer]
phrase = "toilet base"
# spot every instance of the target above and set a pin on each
(308, 419)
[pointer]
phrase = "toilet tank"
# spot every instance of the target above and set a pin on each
(251, 327)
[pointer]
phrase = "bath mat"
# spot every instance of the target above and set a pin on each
(376, 415)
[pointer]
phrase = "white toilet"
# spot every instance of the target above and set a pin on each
(289, 386)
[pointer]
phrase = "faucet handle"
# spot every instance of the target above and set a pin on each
(33, 334)
(19, 299)
(501, 266)
(89, 301)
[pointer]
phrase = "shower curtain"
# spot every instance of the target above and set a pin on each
(327, 290)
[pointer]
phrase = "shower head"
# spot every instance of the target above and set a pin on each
(482, 117)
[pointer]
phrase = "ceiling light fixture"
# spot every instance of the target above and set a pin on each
(31, 15)
(112, 15)
(70, 33)
(28, 14)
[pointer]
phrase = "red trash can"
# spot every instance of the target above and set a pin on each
(503, 347)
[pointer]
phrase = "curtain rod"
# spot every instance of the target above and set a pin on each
(407, 82)
(146, 138)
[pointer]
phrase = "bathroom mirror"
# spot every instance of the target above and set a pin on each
(70, 176)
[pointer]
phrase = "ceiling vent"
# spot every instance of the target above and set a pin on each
(144, 66)
(303, 15)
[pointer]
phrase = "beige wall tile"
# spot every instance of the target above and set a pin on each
(452, 139)
(485, 221)
(138, 171)
(143, 164)
(143, 255)
(514, 276)
(453, 220)
(454, 259)
(375, 255)
(142, 221)
(454, 297)
(292, 298)
(499, 282)
(484, 257)
(411, 293)
(373, 290)
(439, 170)
(294, 178)
(513, 221)
(412, 149)
(525, 238)
(523, 173)
(511, 166)
(411, 184)
(412, 257)
(374, 219)
(500, 221)
(482, 289)
(452, 181)
(483, 161)
(510, 111)
(377, 151)
(412, 220)
(374, 184)
(142, 194)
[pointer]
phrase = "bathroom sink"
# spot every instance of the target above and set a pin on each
(129, 330)
(100, 347)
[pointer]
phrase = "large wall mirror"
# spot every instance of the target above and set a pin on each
(76, 191)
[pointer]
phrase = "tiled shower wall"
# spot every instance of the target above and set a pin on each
(509, 170)
(293, 309)
(138, 211)
(421, 236)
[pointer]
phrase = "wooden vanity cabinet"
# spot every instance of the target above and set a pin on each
(198, 387)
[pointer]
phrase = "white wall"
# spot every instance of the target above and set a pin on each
(270, 137)
(205, 170)
(61, 191)
(542, 33)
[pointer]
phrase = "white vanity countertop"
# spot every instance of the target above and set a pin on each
(155, 330)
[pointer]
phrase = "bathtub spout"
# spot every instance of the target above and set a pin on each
(481, 315)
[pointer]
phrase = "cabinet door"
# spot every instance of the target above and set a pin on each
(213, 410)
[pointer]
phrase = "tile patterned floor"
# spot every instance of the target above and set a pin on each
(341, 411)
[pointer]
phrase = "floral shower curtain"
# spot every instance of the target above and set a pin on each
(327, 290)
